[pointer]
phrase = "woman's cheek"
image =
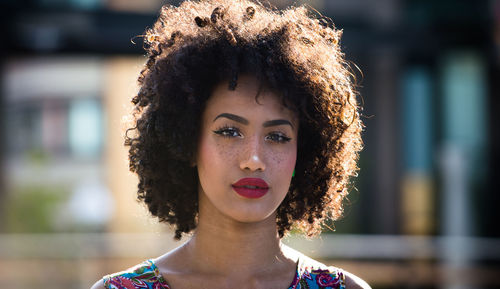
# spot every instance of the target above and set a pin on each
(284, 160)
(206, 155)
(226, 150)
(217, 154)
(289, 164)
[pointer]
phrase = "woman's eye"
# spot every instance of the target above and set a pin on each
(228, 132)
(278, 137)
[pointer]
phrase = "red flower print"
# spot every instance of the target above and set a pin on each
(122, 282)
(160, 286)
(327, 279)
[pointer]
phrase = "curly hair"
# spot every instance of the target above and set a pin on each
(199, 44)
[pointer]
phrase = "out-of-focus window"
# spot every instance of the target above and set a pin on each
(75, 4)
(85, 133)
(56, 136)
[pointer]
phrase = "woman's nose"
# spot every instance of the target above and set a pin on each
(252, 158)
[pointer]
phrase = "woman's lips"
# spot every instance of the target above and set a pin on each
(252, 188)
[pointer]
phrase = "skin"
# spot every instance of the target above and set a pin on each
(236, 243)
(241, 138)
(236, 234)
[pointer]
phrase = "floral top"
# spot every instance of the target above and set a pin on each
(310, 275)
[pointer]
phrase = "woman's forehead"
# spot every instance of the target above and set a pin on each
(250, 93)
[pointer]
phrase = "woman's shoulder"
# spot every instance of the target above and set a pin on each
(143, 275)
(313, 274)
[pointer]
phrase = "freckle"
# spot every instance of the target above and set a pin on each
(224, 151)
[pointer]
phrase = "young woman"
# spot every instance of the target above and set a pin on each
(246, 125)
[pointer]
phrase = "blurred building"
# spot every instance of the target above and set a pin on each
(429, 85)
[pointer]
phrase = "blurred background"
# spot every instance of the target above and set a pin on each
(424, 212)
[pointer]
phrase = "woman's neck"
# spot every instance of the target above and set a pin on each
(223, 245)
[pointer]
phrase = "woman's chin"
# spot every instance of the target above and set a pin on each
(247, 216)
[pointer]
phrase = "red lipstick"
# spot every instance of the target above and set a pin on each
(251, 188)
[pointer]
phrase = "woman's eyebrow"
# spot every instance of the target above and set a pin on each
(277, 122)
(233, 117)
(244, 121)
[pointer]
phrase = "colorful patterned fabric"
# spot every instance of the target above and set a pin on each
(147, 276)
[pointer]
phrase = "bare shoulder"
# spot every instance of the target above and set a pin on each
(353, 282)
(98, 285)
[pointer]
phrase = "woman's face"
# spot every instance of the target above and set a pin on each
(247, 151)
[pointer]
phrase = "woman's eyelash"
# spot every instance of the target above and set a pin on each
(228, 131)
(278, 137)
